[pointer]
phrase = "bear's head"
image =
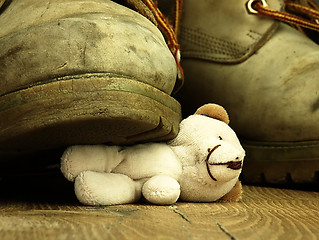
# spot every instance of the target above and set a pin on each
(210, 153)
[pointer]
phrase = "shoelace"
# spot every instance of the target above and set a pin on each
(171, 33)
(300, 16)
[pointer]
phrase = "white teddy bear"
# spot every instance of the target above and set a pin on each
(201, 164)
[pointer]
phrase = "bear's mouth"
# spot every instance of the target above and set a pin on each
(234, 165)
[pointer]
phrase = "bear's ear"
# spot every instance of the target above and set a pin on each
(213, 111)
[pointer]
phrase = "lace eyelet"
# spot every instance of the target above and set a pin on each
(250, 8)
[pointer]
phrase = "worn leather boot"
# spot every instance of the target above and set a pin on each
(82, 72)
(266, 74)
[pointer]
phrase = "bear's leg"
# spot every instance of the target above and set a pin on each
(99, 158)
(161, 189)
(234, 195)
(95, 188)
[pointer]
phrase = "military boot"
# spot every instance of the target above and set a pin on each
(82, 72)
(266, 74)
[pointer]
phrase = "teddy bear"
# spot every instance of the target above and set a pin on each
(201, 164)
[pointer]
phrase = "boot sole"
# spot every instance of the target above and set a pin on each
(85, 109)
(286, 164)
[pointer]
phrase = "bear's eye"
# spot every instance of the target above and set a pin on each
(220, 138)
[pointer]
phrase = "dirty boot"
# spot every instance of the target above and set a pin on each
(82, 72)
(265, 73)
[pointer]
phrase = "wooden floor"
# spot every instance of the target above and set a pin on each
(45, 208)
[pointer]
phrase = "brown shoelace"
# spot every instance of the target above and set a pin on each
(303, 15)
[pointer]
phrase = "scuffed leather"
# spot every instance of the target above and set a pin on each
(48, 40)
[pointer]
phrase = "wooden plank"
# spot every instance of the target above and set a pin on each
(264, 213)
(115, 222)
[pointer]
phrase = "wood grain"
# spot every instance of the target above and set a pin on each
(263, 213)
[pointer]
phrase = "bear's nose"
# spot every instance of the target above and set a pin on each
(235, 165)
